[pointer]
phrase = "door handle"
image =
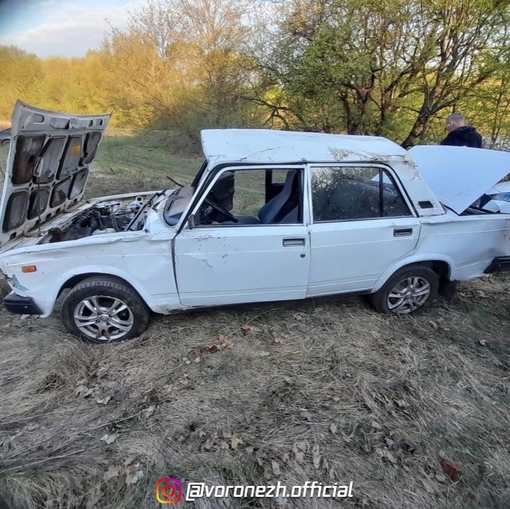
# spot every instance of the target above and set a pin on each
(294, 242)
(402, 232)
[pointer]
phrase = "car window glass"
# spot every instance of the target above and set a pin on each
(349, 193)
(248, 197)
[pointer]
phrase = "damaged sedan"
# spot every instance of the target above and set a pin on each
(270, 216)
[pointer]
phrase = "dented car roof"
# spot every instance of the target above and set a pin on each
(268, 146)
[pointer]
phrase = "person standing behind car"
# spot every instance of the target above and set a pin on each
(459, 134)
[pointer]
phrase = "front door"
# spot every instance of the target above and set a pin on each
(253, 252)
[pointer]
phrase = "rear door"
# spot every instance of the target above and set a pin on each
(362, 224)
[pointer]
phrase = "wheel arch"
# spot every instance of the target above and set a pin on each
(441, 267)
(78, 278)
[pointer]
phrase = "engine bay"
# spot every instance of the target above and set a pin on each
(102, 218)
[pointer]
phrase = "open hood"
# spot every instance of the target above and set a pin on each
(47, 167)
(458, 176)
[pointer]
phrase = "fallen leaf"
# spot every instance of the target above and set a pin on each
(300, 456)
(103, 401)
(401, 403)
(307, 415)
(133, 474)
(389, 443)
(32, 427)
(482, 342)
(83, 391)
(440, 477)
(316, 456)
(149, 411)
(109, 439)
(451, 469)
(112, 472)
(264, 354)
(303, 446)
(376, 425)
(275, 467)
(235, 443)
(280, 341)
(221, 343)
(246, 328)
(386, 454)
(400, 443)
(333, 428)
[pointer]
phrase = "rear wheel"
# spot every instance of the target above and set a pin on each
(5, 143)
(410, 289)
(104, 310)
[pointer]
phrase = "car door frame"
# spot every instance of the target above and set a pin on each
(212, 233)
(413, 220)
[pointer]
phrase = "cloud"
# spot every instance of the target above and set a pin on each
(70, 29)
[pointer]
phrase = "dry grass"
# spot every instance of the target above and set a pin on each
(319, 390)
(323, 390)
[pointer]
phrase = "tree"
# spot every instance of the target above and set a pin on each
(19, 77)
(382, 66)
(180, 61)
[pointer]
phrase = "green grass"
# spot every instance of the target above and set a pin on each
(139, 161)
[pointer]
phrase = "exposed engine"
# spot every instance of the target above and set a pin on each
(106, 217)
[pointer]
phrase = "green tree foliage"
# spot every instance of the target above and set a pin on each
(383, 66)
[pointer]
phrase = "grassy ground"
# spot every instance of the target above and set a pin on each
(323, 390)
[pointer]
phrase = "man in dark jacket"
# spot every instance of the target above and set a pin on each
(459, 134)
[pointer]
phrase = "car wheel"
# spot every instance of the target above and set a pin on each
(408, 290)
(103, 310)
(5, 143)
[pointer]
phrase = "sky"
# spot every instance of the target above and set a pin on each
(66, 28)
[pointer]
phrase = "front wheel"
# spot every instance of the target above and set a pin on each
(103, 310)
(408, 290)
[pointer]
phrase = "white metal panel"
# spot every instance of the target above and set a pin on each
(351, 255)
(218, 265)
(270, 146)
(460, 175)
(67, 168)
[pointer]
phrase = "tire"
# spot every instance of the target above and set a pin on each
(123, 314)
(6, 143)
(409, 290)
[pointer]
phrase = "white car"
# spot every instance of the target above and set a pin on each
(270, 216)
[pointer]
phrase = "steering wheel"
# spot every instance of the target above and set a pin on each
(221, 210)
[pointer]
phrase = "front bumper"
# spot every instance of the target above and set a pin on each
(499, 264)
(19, 305)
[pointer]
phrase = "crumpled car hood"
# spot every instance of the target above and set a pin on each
(458, 176)
(47, 167)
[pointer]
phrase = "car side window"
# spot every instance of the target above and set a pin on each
(247, 197)
(342, 193)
